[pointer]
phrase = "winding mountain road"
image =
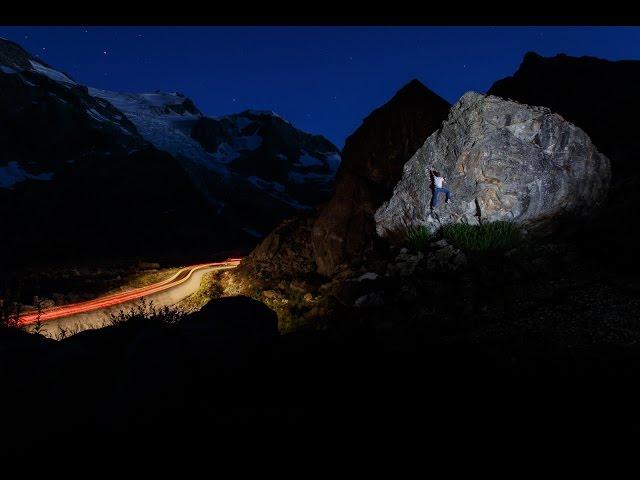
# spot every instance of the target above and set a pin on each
(94, 313)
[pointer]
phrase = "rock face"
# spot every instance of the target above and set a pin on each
(599, 96)
(372, 162)
(502, 160)
(285, 253)
(602, 98)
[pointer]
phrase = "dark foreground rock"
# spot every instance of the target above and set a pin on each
(502, 161)
(164, 388)
(233, 318)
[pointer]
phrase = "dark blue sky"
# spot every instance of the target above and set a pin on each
(323, 79)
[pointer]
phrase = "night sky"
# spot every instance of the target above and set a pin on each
(323, 79)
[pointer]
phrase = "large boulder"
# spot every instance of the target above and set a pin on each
(372, 162)
(502, 161)
(599, 96)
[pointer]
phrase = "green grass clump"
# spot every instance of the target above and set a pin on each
(418, 238)
(488, 236)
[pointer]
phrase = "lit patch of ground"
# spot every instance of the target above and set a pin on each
(210, 288)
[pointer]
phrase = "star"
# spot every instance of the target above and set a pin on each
(105, 52)
(233, 100)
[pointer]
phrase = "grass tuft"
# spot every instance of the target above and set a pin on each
(418, 238)
(488, 236)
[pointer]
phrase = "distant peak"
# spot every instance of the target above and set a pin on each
(413, 85)
(531, 57)
(535, 59)
(416, 89)
(12, 54)
(259, 113)
(5, 42)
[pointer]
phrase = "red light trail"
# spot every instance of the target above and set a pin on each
(118, 298)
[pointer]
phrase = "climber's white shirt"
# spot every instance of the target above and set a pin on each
(437, 181)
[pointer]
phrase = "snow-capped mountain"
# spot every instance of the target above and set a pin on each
(39, 103)
(252, 150)
(78, 162)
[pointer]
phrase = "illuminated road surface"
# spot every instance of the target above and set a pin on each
(94, 313)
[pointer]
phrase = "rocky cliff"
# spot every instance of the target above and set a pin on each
(372, 162)
(502, 160)
(300, 269)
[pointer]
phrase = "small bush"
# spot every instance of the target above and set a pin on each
(418, 238)
(147, 311)
(63, 333)
(488, 236)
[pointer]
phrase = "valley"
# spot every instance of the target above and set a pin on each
(234, 274)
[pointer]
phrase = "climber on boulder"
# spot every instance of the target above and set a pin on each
(436, 187)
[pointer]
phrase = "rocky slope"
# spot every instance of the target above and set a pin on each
(49, 120)
(301, 265)
(373, 158)
(502, 160)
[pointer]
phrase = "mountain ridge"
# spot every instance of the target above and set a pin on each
(51, 125)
